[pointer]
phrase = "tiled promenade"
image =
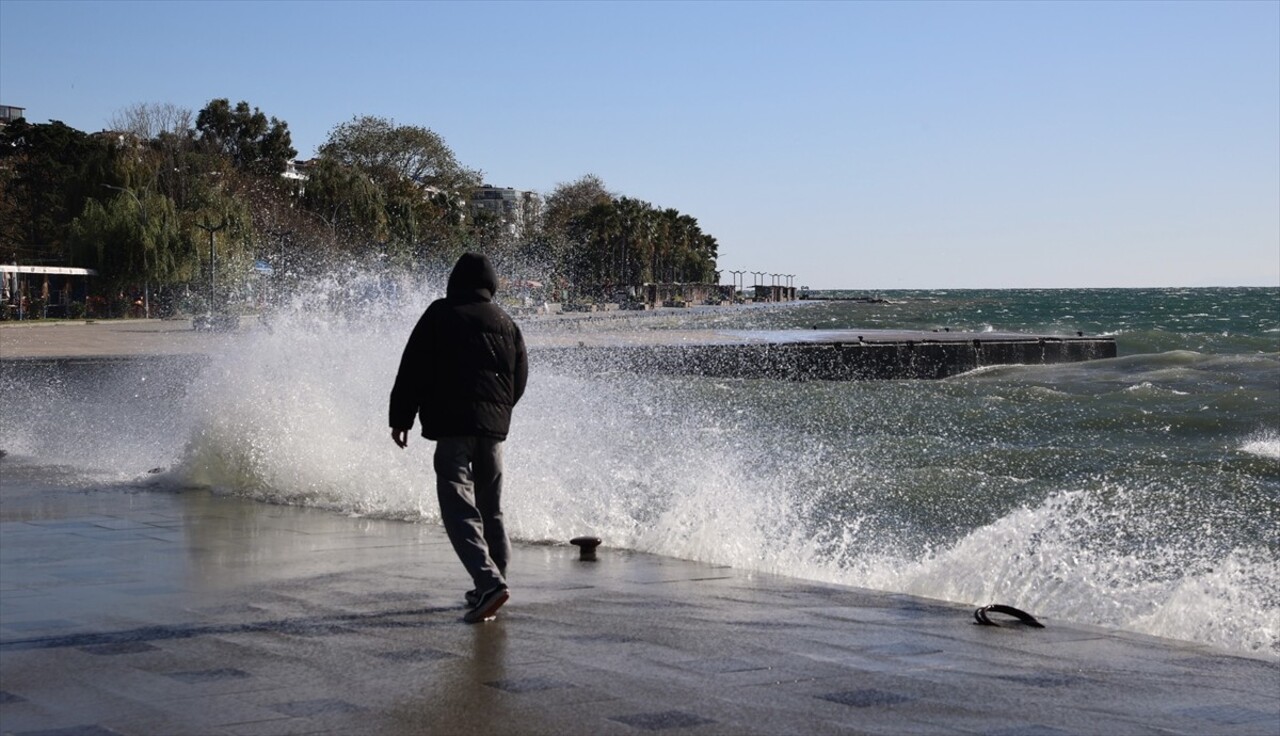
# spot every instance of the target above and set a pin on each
(126, 611)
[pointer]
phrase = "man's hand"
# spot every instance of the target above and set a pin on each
(400, 437)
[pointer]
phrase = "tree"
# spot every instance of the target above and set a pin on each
(624, 242)
(51, 169)
(133, 241)
(570, 201)
(398, 186)
(146, 121)
(346, 200)
(390, 153)
(566, 226)
(253, 143)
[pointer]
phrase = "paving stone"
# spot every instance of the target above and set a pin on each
(528, 684)
(214, 675)
(865, 698)
(319, 706)
(662, 720)
(89, 730)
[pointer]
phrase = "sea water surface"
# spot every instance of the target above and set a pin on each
(1141, 492)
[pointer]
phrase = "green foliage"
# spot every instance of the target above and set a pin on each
(145, 206)
(570, 201)
(389, 191)
(108, 237)
(627, 242)
(132, 240)
(253, 143)
(390, 153)
(345, 199)
(50, 171)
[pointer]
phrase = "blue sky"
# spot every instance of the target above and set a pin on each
(869, 145)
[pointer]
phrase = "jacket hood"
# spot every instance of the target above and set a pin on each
(473, 276)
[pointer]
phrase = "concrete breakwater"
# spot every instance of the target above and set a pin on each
(834, 355)
(837, 355)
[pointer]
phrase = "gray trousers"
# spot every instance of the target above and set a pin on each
(469, 486)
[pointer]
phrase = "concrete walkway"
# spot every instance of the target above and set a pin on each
(106, 338)
(128, 611)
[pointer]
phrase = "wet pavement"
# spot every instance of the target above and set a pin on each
(133, 611)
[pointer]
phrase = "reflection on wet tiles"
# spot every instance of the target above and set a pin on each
(1044, 679)
(1228, 714)
(153, 590)
(215, 675)
(8, 697)
(788, 625)
(529, 684)
(123, 647)
(913, 609)
(720, 665)
(313, 629)
(318, 707)
(422, 654)
(662, 721)
(100, 639)
(1030, 730)
(383, 596)
(53, 624)
(903, 649)
(63, 525)
(92, 730)
(121, 524)
(313, 626)
(91, 575)
(634, 603)
(865, 698)
(232, 609)
(165, 534)
(601, 639)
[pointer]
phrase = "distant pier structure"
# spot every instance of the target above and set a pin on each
(831, 355)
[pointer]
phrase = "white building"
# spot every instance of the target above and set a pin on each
(516, 209)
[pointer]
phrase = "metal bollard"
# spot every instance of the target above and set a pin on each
(586, 547)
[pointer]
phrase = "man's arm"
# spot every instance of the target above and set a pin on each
(406, 392)
(521, 376)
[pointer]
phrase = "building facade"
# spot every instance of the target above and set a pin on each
(9, 113)
(516, 210)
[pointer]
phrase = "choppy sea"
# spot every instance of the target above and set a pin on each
(1141, 492)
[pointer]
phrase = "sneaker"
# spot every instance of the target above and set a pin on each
(485, 608)
(472, 597)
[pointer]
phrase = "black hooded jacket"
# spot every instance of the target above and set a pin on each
(465, 365)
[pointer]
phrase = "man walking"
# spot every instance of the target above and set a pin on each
(462, 372)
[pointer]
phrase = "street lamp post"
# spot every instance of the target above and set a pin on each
(737, 276)
(213, 259)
